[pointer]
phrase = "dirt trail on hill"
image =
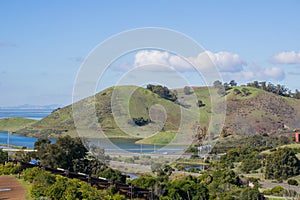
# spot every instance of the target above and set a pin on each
(11, 189)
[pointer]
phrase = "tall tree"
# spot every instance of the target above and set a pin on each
(3, 156)
(233, 83)
(64, 152)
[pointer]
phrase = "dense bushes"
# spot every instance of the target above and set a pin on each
(292, 182)
(282, 164)
(219, 184)
(9, 168)
(56, 187)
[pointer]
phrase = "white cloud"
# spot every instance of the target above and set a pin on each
(256, 73)
(224, 61)
(156, 58)
(288, 57)
(230, 65)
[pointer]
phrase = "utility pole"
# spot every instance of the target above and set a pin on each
(8, 145)
(8, 139)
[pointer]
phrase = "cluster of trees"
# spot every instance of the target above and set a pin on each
(282, 164)
(278, 89)
(163, 92)
(70, 153)
(249, 158)
(218, 184)
(45, 184)
(140, 121)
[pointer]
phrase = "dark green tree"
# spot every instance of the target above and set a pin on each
(63, 153)
(3, 156)
(200, 103)
(232, 83)
(163, 92)
(282, 164)
(41, 145)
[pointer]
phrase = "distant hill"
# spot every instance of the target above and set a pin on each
(249, 111)
(13, 124)
(29, 106)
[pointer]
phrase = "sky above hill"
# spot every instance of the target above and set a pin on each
(43, 43)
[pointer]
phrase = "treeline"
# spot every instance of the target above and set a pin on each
(216, 184)
(278, 89)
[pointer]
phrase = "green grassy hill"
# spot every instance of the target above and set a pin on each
(13, 124)
(257, 112)
(142, 100)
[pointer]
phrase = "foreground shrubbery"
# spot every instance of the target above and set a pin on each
(9, 168)
(56, 187)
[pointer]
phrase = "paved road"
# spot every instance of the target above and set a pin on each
(285, 186)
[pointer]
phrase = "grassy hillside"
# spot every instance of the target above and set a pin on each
(140, 103)
(115, 108)
(13, 124)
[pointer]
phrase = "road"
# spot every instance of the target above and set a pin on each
(284, 185)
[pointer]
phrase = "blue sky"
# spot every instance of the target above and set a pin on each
(42, 43)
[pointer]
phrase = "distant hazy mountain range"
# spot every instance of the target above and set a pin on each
(29, 106)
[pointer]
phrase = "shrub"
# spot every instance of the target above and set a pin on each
(292, 182)
(9, 168)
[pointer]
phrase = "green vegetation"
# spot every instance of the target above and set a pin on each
(45, 184)
(163, 92)
(219, 184)
(262, 143)
(140, 121)
(160, 138)
(3, 156)
(282, 164)
(27, 186)
(9, 168)
(141, 101)
(14, 124)
(250, 110)
(292, 182)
